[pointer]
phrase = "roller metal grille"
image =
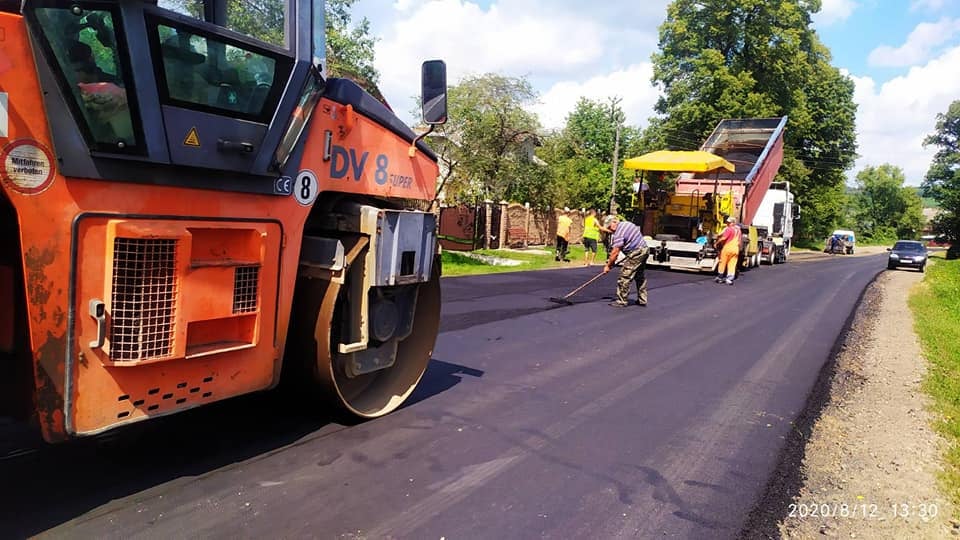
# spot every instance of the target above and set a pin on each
(143, 300)
(245, 282)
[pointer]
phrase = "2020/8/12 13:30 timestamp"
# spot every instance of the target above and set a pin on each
(863, 510)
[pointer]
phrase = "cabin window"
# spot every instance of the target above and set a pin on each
(90, 62)
(211, 74)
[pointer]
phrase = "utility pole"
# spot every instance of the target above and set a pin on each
(616, 156)
(613, 181)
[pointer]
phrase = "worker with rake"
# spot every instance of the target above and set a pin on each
(628, 239)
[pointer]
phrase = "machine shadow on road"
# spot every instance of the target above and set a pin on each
(440, 377)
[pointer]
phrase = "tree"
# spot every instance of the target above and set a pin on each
(581, 155)
(759, 58)
(350, 51)
(488, 144)
(885, 210)
(942, 182)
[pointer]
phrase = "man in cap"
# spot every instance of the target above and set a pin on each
(628, 238)
(729, 245)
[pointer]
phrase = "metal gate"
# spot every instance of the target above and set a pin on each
(496, 217)
(459, 228)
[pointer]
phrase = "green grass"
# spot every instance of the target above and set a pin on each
(457, 264)
(936, 308)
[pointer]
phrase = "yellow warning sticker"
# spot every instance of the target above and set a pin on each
(192, 138)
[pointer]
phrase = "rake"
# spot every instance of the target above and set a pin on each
(563, 299)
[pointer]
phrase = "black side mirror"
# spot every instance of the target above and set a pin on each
(433, 92)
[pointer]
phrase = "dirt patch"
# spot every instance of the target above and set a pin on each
(863, 460)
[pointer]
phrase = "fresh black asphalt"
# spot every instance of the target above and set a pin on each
(533, 420)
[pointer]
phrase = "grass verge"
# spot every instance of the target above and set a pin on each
(458, 264)
(936, 309)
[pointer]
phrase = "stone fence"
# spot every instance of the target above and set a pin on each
(516, 224)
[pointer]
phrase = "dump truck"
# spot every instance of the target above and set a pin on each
(682, 214)
(193, 214)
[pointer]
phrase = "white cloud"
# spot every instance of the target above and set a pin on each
(547, 41)
(834, 11)
(929, 5)
(922, 41)
(474, 40)
(403, 5)
(631, 85)
(893, 118)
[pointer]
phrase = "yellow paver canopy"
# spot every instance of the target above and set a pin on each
(678, 161)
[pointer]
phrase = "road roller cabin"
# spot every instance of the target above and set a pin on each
(189, 213)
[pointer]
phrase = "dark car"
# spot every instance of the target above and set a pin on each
(907, 253)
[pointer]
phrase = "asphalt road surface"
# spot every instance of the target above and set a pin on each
(533, 420)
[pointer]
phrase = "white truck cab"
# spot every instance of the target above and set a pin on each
(776, 215)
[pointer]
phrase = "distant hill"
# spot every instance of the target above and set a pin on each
(927, 201)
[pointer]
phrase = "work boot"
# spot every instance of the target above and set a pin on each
(637, 303)
(616, 304)
(718, 279)
(729, 281)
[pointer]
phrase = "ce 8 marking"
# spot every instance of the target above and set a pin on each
(861, 510)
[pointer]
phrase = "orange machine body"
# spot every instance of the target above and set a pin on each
(216, 270)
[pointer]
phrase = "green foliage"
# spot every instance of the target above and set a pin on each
(885, 210)
(488, 143)
(581, 155)
(942, 182)
(936, 310)
(262, 19)
(350, 51)
(759, 58)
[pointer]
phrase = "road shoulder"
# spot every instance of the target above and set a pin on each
(864, 459)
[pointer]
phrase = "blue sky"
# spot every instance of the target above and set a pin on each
(903, 55)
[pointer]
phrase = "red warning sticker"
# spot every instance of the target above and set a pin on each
(26, 166)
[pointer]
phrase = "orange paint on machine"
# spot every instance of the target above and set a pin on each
(149, 276)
